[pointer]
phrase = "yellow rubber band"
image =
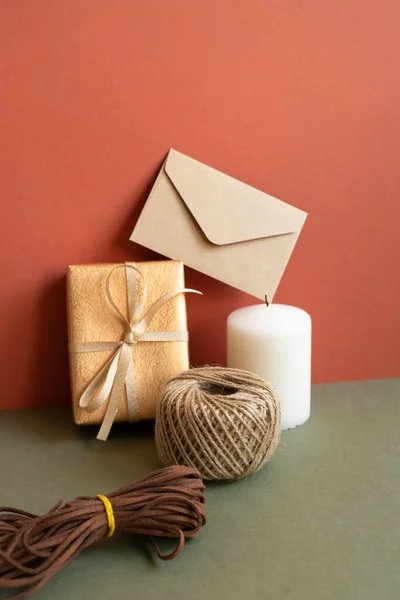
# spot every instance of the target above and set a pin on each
(110, 514)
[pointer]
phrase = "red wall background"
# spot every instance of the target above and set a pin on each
(298, 98)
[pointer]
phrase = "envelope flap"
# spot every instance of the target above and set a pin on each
(226, 209)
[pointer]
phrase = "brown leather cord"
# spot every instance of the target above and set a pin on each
(168, 503)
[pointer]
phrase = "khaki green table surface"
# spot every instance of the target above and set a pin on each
(319, 522)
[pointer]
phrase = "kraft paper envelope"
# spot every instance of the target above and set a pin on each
(219, 226)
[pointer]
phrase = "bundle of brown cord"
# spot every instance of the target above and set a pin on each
(168, 503)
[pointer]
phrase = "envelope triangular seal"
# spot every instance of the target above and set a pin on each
(227, 210)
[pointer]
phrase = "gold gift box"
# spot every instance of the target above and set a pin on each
(91, 319)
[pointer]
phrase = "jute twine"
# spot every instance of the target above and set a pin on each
(224, 422)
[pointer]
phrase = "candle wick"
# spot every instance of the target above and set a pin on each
(266, 300)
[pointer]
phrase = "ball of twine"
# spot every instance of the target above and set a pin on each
(224, 422)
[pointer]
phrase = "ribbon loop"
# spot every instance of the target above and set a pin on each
(118, 372)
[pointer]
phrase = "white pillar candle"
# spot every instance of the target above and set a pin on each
(275, 342)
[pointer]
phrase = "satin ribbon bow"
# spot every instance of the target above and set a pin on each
(119, 370)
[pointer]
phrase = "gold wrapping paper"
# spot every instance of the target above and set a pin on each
(92, 319)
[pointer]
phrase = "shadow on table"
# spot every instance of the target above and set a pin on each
(54, 424)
